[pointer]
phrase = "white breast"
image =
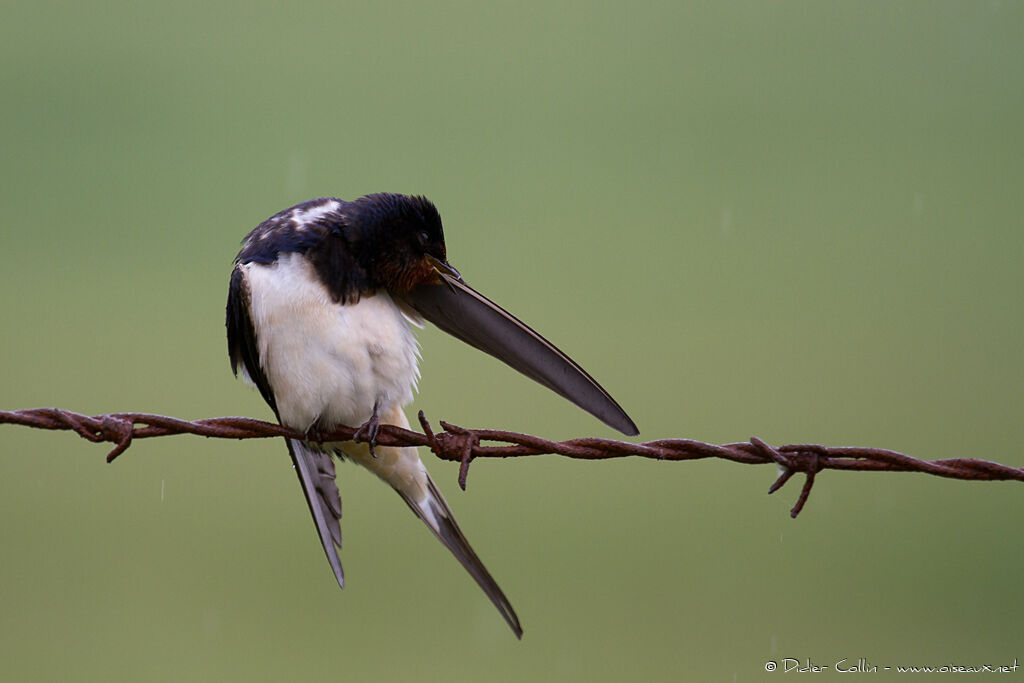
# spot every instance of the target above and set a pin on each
(325, 360)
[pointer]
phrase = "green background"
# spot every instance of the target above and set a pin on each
(797, 221)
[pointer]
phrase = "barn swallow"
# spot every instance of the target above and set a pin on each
(319, 309)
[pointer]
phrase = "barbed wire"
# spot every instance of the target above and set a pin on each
(463, 445)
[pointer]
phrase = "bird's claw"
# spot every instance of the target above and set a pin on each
(314, 434)
(369, 431)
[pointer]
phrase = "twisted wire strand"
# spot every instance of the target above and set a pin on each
(463, 445)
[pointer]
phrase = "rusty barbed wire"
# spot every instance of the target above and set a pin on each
(462, 445)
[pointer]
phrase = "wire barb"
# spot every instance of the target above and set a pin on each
(462, 445)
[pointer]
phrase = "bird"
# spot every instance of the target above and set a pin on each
(322, 303)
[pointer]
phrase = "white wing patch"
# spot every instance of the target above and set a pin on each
(302, 218)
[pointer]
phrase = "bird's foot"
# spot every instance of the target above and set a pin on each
(368, 432)
(314, 434)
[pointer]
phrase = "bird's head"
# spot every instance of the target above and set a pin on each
(401, 239)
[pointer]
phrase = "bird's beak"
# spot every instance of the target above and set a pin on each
(442, 268)
(464, 313)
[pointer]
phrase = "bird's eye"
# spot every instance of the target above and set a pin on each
(424, 237)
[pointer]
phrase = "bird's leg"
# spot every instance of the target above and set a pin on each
(314, 434)
(370, 429)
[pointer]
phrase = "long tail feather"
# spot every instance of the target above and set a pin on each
(434, 511)
(316, 474)
(404, 471)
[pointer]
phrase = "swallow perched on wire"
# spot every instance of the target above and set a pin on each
(318, 318)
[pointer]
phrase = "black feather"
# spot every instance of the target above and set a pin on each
(324, 230)
(242, 347)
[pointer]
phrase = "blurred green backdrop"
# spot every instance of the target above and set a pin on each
(794, 220)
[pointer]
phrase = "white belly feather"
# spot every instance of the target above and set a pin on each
(326, 361)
